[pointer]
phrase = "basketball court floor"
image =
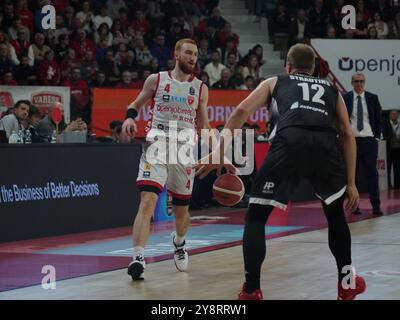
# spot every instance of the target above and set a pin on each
(299, 264)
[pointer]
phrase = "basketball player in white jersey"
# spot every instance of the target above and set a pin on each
(179, 99)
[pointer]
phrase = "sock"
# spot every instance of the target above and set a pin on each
(178, 240)
(138, 251)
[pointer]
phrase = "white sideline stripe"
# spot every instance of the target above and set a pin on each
(236, 193)
(267, 202)
(333, 197)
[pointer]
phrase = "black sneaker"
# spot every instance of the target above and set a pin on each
(357, 211)
(136, 268)
(377, 212)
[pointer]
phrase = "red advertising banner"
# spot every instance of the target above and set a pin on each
(111, 104)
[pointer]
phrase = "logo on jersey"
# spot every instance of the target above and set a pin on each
(268, 187)
(190, 100)
(188, 171)
(165, 97)
(147, 166)
(192, 91)
(295, 105)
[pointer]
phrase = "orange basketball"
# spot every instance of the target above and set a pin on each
(228, 189)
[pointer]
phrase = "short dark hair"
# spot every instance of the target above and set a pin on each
(19, 102)
(34, 111)
(301, 57)
(114, 124)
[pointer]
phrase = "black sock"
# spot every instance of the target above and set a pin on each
(339, 235)
(254, 247)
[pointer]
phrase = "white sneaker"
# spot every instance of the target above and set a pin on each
(181, 256)
(136, 268)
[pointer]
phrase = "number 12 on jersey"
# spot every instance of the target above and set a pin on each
(317, 95)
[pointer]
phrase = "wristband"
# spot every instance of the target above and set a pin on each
(131, 113)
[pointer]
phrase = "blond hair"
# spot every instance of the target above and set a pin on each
(302, 57)
(181, 42)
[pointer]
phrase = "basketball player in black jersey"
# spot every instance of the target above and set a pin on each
(313, 140)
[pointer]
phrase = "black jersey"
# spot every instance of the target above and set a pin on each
(300, 100)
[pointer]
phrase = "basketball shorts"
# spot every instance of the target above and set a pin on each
(178, 177)
(298, 154)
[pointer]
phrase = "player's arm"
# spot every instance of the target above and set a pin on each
(349, 152)
(150, 85)
(257, 98)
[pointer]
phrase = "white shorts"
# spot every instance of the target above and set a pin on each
(177, 177)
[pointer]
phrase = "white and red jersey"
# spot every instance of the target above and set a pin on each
(174, 103)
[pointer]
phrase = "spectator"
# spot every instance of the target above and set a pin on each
(123, 20)
(109, 66)
(5, 63)
(214, 68)
(54, 36)
(129, 63)
(229, 47)
(365, 116)
(8, 79)
(15, 27)
(216, 20)
(82, 45)
(256, 50)
(211, 35)
(32, 122)
(203, 76)
(26, 15)
(319, 19)
(280, 22)
(102, 18)
(49, 70)
(176, 33)
(88, 66)
(46, 126)
(226, 33)
(361, 27)
(392, 135)
(394, 27)
(13, 121)
(143, 54)
(39, 48)
(380, 25)
(68, 63)
(249, 83)
(69, 17)
(360, 8)
(383, 9)
(20, 47)
(114, 8)
(204, 54)
(160, 51)
(154, 65)
(25, 74)
(299, 29)
(103, 33)
(86, 16)
(8, 15)
(99, 81)
(226, 82)
(141, 23)
(372, 33)
(80, 107)
(62, 47)
(331, 32)
(126, 82)
(252, 69)
(120, 56)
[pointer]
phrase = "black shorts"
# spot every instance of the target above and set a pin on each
(298, 154)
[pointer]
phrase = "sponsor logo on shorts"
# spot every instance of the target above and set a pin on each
(268, 187)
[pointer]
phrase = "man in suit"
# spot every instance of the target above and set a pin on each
(365, 117)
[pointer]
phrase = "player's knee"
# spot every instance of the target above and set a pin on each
(148, 202)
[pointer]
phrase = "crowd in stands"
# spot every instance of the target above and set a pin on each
(119, 43)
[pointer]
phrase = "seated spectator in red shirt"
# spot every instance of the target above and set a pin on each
(26, 15)
(129, 63)
(226, 33)
(79, 89)
(49, 70)
(140, 22)
(123, 19)
(21, 45)
(60, 5)
(216, 20)
(25, 74)
(68, 63)
(8, 79)
(82, 45)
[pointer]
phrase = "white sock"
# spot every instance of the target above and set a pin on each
(178, 240)
(138, 251)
